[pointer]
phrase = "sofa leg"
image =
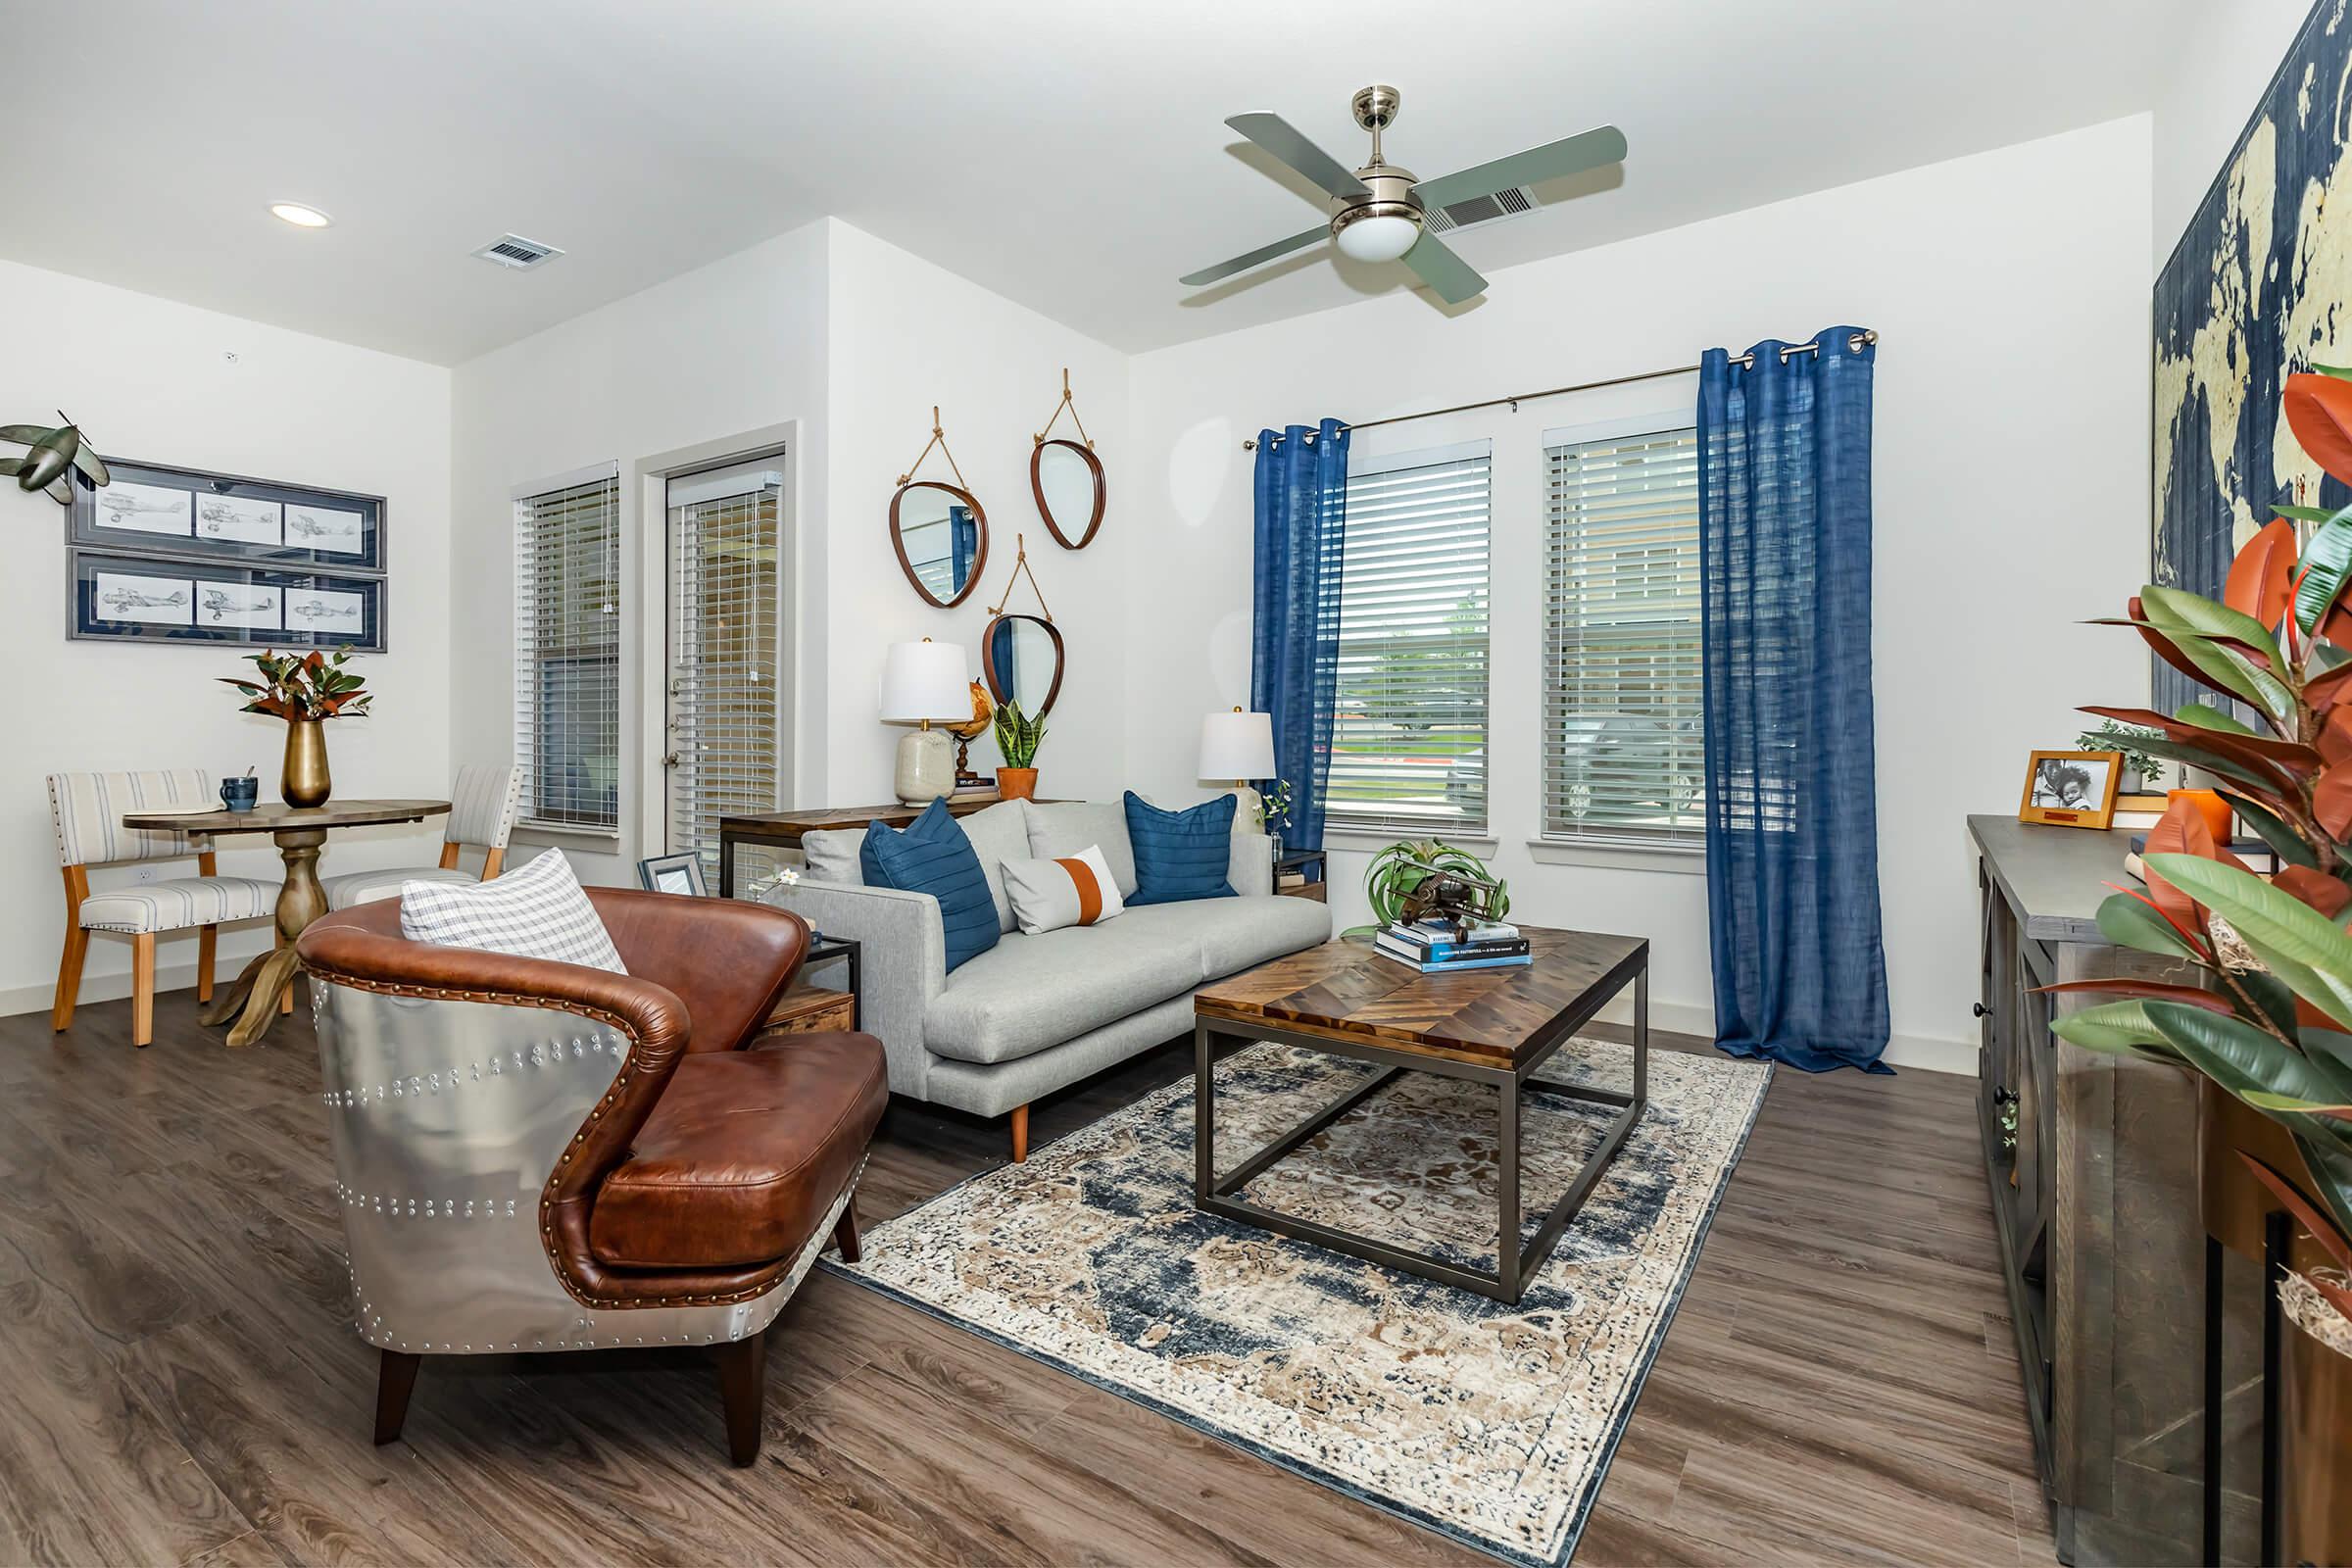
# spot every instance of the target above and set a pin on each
(743, 1389)
(395, 1381)
(1020, 1135)
(845, 1234)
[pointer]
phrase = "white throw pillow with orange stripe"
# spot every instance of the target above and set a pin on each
(1047, 895)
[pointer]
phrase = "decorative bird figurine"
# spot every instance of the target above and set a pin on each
(58, 454)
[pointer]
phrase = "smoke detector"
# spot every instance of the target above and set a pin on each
(513, 249)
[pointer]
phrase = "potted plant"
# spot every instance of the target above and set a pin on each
(1274, 810)
(1017, 738)
(2272, 1026)
(305, 690)
(1396, 873)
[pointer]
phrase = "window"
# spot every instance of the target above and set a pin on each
(567, 653)
(1409, 746)
(1624, 745)
(726, 624)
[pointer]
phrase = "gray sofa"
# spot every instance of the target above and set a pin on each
(1036, 1012)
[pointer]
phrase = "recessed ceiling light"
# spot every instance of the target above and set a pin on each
(299, 216)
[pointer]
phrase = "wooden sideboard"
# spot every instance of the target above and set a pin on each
(2096, 1205)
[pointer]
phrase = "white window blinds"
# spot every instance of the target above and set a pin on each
(567, 654)
(1409, 745)
(726, 630)
(1624, 746)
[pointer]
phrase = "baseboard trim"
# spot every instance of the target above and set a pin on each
(114, 985)
(1922, 1052)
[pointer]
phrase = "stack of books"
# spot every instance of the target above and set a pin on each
(1442, 946)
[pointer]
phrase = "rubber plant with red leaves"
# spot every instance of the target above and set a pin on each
(303, 686)
(2272, 1023)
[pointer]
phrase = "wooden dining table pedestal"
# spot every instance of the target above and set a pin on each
(300, 833)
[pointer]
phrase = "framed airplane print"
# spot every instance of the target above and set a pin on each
(155, 510)
(168, 599)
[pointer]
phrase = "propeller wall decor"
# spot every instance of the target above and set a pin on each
(60, 454)
(1377, 210)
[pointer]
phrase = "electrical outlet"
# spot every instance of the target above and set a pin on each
(146, 873)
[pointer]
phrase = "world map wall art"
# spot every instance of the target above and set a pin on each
(2259, 286)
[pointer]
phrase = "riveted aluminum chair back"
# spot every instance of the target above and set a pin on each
(86, 809)
(447, 1119)
(482, 804)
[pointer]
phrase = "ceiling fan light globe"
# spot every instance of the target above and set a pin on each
(1378, 238)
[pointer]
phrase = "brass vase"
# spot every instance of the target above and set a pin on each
(2316, 1449)
(305, 780)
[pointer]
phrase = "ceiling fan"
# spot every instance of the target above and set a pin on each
(1376, 211)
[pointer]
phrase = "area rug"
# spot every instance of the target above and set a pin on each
(1488, 1423)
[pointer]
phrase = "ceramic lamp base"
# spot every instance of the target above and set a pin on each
(926, 767)
(1248, 810)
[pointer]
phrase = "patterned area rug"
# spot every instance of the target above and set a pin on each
(1491, 1424)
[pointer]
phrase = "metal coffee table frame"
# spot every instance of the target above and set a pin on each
(1213, 1193)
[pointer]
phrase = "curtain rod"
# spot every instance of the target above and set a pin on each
(1745, 360)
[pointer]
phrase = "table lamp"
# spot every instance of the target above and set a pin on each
(924, 684)
(1239, 746)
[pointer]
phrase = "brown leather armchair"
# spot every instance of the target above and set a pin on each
(533, 1156)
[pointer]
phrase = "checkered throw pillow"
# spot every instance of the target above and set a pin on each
(536, 910)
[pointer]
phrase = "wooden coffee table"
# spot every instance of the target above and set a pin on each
(1491, 1026)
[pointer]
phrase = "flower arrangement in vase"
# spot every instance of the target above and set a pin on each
(305, 690)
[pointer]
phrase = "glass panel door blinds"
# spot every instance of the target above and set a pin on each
(726, 731)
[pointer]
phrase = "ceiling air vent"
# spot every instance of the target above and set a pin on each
(1504, 202)
(513, 249)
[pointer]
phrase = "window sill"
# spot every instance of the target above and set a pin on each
(568, 830)
(1478, 842)
(1672, 858)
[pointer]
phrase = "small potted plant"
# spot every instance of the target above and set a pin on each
(1017, 738)
(305, 690)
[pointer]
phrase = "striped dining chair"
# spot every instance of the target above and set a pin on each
(86, 809)
(481, 813)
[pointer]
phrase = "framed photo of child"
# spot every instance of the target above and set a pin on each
(2072, 788)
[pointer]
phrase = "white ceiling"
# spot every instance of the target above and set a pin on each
(1070, 156)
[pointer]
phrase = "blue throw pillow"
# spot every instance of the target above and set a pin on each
(1180, 854)
(934, 856)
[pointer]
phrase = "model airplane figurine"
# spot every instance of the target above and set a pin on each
(59, 453)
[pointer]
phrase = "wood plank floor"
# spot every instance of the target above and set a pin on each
(180, 1384)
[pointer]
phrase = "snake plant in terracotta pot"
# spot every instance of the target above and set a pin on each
(2271, 1024)
(1019, 737)
(306, 691)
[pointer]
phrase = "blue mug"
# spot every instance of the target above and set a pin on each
(240, 794)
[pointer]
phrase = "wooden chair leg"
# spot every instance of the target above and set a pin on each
(142, 988)
(845, 1234)
(69, 977)
(1020, 1135)
(285, 998)
(208, 941)
(743, 1389)
(395, 1381)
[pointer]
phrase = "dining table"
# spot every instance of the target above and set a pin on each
(300, 833)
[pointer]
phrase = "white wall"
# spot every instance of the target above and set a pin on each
(2222, 65)
(731, 348)
(153, 380)
(850, 340)
(2010, 442)
(906, 335)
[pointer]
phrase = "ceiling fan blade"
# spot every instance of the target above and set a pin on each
(1284, 140)
(1249, 259)
(1451, 279)
(1572, 155)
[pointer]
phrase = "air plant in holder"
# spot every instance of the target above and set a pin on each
(305, 690)
(2272, 1024)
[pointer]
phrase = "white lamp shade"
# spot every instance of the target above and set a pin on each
(1237, 746)
(925, 680)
